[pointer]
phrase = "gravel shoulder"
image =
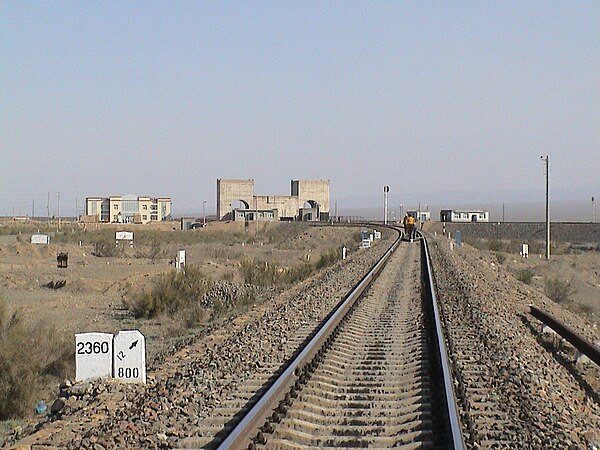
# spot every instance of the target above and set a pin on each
(545, 399)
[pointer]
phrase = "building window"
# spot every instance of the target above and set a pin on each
(144, 206)
(115, 206)
(144, 217)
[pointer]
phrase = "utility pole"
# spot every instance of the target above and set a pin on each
(593, 211)
(76, 210)
(547, 170)
(386, 189)
(204, 213)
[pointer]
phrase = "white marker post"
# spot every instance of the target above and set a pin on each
(130, 356)
(93, 356)
(180, 261)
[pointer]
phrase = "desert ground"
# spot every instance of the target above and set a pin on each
(92, 298)
(102, 277)
(103, 280)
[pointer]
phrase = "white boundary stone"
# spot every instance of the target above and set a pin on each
(130, 356)
(93, 356)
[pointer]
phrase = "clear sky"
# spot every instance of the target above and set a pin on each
(437, 99)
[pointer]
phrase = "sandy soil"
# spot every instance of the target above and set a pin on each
(92, 299)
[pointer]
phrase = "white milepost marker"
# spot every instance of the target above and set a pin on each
(180, 261)
(93, 356)
(130, 356)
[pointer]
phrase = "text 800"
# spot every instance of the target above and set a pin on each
(128, 372)
(87, 348)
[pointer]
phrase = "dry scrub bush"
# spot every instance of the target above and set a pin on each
(525, 276)
(500, 257)
(172, 293)
(261, 273)
(106, 248)
(479, 244)
(29, 355)
(12, 229)
(152, 250)
(328, 258)
(558, 290)
(496, 245)
(225, 253)
(283, 235)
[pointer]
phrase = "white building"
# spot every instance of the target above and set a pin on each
(451, 215)
(420, 216)
(127, 209)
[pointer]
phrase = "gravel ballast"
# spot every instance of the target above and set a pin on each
(516, 389)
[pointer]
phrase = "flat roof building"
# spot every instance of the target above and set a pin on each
(309, 200)
(127, 209)
(463, 216)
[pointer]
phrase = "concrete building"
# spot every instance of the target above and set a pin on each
(420, 215)
(451, 215)
(309, 200)
(127, 209)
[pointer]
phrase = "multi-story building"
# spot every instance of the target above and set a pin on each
(128, 209)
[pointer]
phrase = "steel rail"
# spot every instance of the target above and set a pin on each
(574, 338)
(243, 433)
(452, 410)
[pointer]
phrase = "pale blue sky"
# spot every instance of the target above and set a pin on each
(432, 98)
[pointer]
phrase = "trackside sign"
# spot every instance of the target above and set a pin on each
(104, 355)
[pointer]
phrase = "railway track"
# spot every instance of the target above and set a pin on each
(371, 376)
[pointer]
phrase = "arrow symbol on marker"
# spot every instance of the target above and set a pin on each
(133, 345)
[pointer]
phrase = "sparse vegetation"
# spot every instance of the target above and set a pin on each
(187, 299)
(496, 245)
(500, 257)
(582, 309)
(262, 273)
(28, 355)
(284, 234)
(525, 276)
(173, 292)
(155, 249)
(225, 253)
(558, 290)
(106, 248)
(328, 258)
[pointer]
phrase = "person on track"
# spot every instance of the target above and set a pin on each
(409, 226)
